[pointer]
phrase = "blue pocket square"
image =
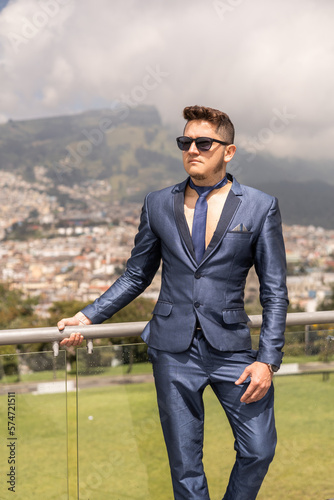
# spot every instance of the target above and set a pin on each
(240, 228)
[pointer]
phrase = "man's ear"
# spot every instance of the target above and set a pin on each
(229, 152)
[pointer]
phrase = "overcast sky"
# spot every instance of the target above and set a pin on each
(267, 63)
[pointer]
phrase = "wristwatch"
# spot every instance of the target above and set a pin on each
(273, 368)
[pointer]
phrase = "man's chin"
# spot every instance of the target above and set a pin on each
(198, 177)
(196, 173)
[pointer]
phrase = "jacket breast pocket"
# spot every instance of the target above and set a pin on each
(162, 308)
(239, 234)
(240, 244)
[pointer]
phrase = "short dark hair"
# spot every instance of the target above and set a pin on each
(224, 125)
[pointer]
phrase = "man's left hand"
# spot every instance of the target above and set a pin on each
(261, 378)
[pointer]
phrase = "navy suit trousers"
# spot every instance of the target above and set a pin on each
(180, 380)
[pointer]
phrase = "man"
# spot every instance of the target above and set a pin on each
(208, 231)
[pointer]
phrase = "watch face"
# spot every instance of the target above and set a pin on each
(274, 368)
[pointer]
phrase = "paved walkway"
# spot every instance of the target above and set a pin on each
(86, 382)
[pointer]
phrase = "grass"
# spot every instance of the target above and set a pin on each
(40, 447)
(299, 359)
(131, 461)
(122, 454)
(304, 459)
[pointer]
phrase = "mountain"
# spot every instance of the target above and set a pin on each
(128, 146)
(304, 203)
(305, 192)
(137, 153)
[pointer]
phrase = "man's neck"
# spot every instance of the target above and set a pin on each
(202, 181)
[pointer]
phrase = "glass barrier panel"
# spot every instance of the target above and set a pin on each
(120, 444)
(33, 426)
(304, 409)
(121, 451)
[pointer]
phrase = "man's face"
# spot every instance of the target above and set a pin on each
(208, 166)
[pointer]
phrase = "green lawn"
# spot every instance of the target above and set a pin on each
(40, 447)
(121, 450)
(130, 458)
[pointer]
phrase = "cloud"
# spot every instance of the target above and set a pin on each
(255, 60)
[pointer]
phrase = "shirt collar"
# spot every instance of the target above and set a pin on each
(236, 188)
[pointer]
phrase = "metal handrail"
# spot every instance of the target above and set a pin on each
(51, 334)
(133, 329)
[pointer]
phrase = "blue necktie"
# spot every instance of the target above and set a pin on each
(199, 223)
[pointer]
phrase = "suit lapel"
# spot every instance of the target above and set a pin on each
(182, 223)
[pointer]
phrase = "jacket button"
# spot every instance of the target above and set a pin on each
(197, 304)
(198, 276)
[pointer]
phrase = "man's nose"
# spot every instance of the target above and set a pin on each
(193, 148)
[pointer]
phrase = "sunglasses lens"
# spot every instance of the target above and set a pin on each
(203, 144)
(183, 143)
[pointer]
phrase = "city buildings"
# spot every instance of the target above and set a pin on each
(74, 250)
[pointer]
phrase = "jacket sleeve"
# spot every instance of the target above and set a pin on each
(140, 271)
(270, 265)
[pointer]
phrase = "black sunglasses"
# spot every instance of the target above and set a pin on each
(202, 143)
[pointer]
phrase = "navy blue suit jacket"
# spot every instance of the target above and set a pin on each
(212, 291)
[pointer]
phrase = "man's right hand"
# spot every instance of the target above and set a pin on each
(76, 338)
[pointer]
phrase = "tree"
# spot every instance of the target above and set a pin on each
(15, 312)
(138, 310)
(328, 303)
